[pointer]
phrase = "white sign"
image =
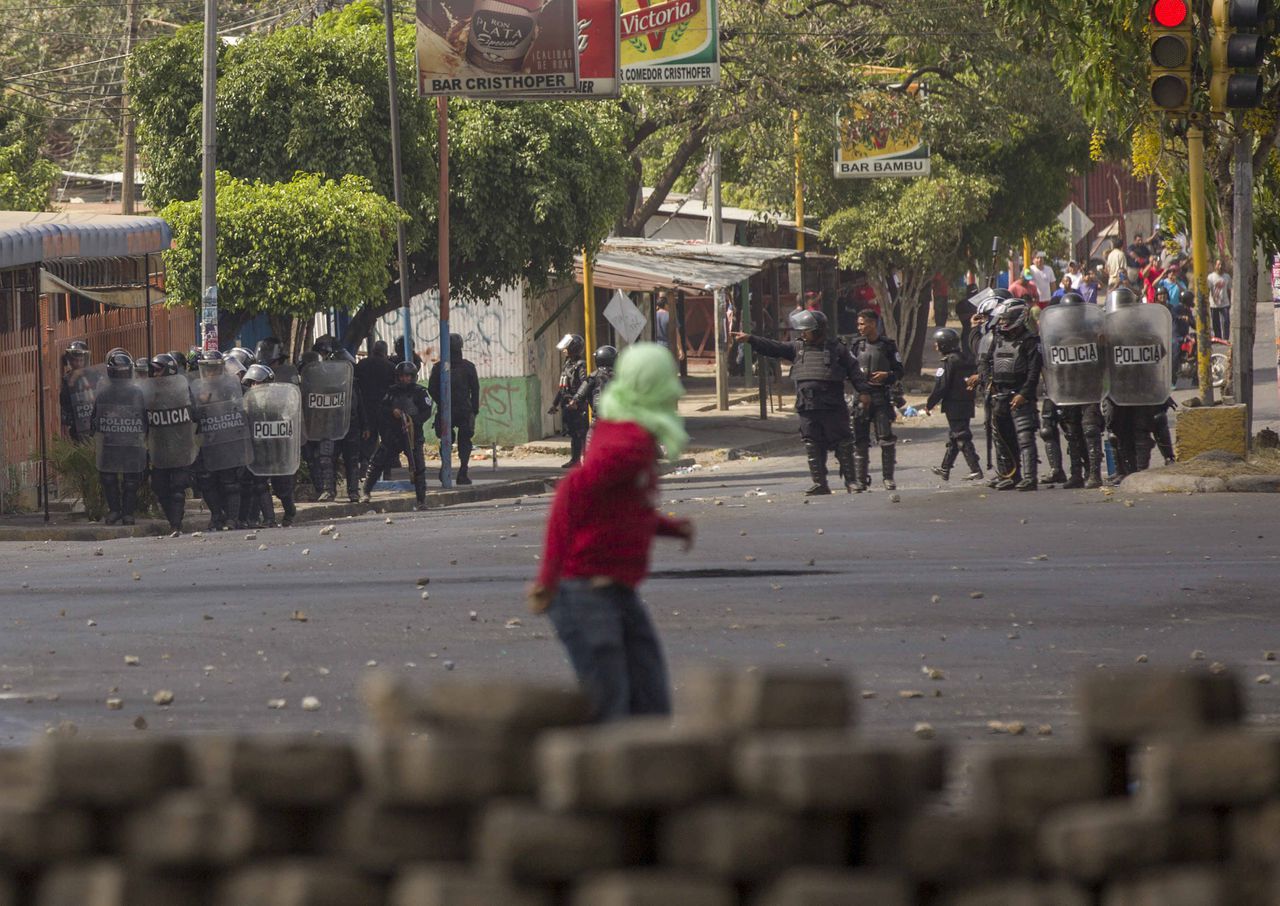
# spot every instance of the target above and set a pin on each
(626, 319)
(1076, 222)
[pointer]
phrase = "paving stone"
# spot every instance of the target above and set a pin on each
(193, 828)
(940, 846)
(1122, 707)
(1173, 886)
(501, 705)
(1019, 893)
(651, 887)
(836, 887)
(109, 883)
(447, 767)
(1096, 841)
(451, 885)
(765, 699)
(745, 842)
(32, 835)
(640, 764)
(286, 772)
(1017, 789)
(301, 882)
(378, 837)
(106, 772)
(524, 842)
(1225, 767)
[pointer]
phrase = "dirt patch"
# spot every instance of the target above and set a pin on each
(1262, 462)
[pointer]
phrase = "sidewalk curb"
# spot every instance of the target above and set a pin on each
(307, 512)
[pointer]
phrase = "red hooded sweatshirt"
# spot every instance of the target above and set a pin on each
(603, 517)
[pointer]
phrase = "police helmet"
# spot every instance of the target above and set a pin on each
(409, 368)
(947, 339)
(1120, 297)
(257, 374)
(308, 358)
(820, 318)
(269, 351)
(142, 366)
(324, 345)
(572, 343)
(78, 354)
(606, 356)
(193, 358)
(241, 355)
(164, 365)
(211, 364)
(1012, 315)
(805, 320)
(119, 365)
(118, 349)
(1072, 298)
(178, 356)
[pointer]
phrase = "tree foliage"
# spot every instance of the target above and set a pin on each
(289, 248)
(26, 176)
(530, 183)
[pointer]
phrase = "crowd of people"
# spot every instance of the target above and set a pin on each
(237, 427)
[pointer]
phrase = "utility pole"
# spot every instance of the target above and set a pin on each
(397, 176)
(446, 391)
(208, 187)
(130, 145)
(717, 236)
(1200, 257)
(1244, 307)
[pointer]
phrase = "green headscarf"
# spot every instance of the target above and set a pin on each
(645, 389)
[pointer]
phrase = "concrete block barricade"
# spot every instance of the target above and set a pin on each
(759, 793)
(1205, 428)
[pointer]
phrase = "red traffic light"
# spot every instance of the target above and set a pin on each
(1169, 13)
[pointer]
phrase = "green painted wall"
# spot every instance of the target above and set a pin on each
(510, 410)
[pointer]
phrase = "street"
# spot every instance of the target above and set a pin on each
(1008, 595)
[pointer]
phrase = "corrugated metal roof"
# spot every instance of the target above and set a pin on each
(645, 264)
(28, 238)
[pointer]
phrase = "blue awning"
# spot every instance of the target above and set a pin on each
(28, 238)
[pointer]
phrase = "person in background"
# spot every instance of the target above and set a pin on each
(1117, 261)
(375, 373)
(1042, 276)
(1073, 271)
(464, 404)
(1088, 288)
(1220, 300)
(938, 294)
(1173, 284)
(599, 533)
(1064, 287)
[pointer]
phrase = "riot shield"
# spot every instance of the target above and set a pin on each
(286, 374)
(83, 384)
(275, 420)
(327, 400)
(120, 442)
(1139, 340)
(1071, 339)
(171, 428)
(224, 429)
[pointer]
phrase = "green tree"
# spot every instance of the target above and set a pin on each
(26, 176)
(290, 248)
(530, 183)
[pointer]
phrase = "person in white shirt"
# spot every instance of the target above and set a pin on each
(1042, 276)
(1117, 261)
(1073, 271)
(1220, 300)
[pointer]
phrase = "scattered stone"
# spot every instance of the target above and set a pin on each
(473, 616)
(139, 722)
(424, 580)
(923, 730)
(252, 536)
(137, 577)
(935, 599)
(306, 552)
(976, 594)
(371, 663)
(749, 558)
(1268, 655)
(298, 616)
(286, 677)
(311, 703)
(895, 498)
(514, 622)
(97, 552)
(275, 704)
(868, 694)
(163, 698)
(933, 673)
(262, 547)
(1129, 503)
(328, 530)
(388, 520)
(1140, 659)
(1217, 668)
(426, 596)
(132, 660)
(1197, 655)
(1264, 679)
(448, 665)
(91, 622)
(1040, 557)
(910, 693)
(1012, 727)
(1044, 730)
(115, 704)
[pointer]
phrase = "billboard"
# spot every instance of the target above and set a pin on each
(502, 49)
(879, 137)
(598, 59)
(671, 42)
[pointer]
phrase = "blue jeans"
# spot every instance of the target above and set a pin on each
(613, 647)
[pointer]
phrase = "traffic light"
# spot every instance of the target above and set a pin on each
(1170, 46)
(1235, 53)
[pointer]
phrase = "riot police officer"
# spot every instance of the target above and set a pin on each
(1139, 375)
(226, 446)
(572, 374)
(336, 384)
(75, 397)
(878, 358)
(589, 393)
(951, 390)
(820, 368)
(404, 409)
(119, 426)
(1011, 370)
(1072, 346)
(171, 438)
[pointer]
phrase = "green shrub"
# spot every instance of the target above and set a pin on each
(76, 468)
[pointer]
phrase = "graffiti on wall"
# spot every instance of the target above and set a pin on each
(492, 332)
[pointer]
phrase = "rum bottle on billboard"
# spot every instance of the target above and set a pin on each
(501, 33)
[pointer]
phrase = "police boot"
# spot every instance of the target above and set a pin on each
(464, 460)
(1053, 452)
(177, 510)
(420, 488)
(888, 459)
(267, 506)
(1028, 482)
(231, 499)
(948, 460)
(290, 511)
(129, 499)
(973, 462)
(848, 471)
(353, 480)
(862, 469)
(1006, 470)
(1094, 479)
(817, 456)
(111, 494)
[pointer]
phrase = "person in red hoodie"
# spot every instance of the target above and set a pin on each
(599, 532)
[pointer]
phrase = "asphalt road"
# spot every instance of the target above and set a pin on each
(1069, 581)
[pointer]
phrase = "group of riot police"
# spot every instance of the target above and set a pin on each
(1103, 368)
(237, 426)
(578, 394)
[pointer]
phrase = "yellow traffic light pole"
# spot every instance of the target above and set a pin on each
(1200, 257)
(588, 315)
